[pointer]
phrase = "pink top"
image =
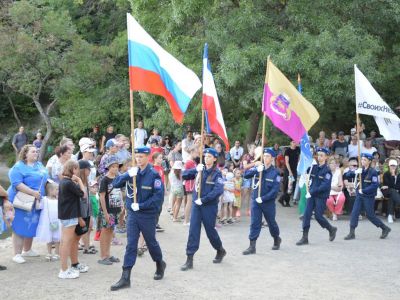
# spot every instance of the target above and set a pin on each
(189, 184)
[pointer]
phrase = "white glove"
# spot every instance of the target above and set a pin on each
(360, 191)
(260, 168)
(308, 195)
(200, 167)
(198, 202)
(135, 206)
(259, 200)
(358, 171)
(133, 171)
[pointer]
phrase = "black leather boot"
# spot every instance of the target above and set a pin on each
(220, 255)
(251, 249)
(277, 243)
(351, 235)
(385, 231)
(125, 280)
(332, 233)
(304, 238)
(161, 266)
(188, 264)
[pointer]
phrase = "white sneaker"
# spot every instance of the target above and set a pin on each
(360, 217)
(30, 253)
(81, 268)
(390, 219)
(186, 224)
(68, 274)
(18, 259)
(334, 217)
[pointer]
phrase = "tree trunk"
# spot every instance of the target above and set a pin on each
(253, 128)
(14, 111)
(46, 120)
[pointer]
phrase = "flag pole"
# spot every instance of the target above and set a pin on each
(201, 151)
(262, 138)
(358, 144)
(133, 144)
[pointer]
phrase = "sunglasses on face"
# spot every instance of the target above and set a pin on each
(354, 166)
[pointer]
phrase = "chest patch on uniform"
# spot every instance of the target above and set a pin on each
(210, 182)
(328, 176)
(374, 179)
(220, 180)
(269, 180)
(157, 184)
(367, 180)
(144, 187)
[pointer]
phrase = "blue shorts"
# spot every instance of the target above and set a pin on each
(69, 222)
(246, 183)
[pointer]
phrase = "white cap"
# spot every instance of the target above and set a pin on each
(87, 148)
(177, 165)
(393, 162)
(353, 130)
(86, 141)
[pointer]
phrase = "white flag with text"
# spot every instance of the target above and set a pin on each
(388, 128)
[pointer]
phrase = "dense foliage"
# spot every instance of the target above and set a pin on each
(79, 47)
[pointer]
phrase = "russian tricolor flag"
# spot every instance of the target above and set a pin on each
(154, 70)
(214, 120)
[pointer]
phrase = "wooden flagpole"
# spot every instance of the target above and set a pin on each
(201, 151)
(262, 137)
(133, 143)
(358, 145)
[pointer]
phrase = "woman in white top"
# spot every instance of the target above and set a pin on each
(336, 198)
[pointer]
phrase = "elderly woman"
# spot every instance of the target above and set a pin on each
(27, 176)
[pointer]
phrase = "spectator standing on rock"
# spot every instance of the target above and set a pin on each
(19, 140)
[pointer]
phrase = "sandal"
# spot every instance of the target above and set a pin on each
(90, 251)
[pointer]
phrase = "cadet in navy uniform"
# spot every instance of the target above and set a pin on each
(265, 204)
(320, 186)
(142, 216)
(205, 207)
(365, 197)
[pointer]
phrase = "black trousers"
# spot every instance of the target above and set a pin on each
(394, 199)
(285, 197)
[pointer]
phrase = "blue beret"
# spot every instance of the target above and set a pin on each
(211, 151)
(143, 149)
(325, 150)
(270, 151)
(367, 155)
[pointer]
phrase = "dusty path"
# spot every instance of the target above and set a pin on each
(367, 268)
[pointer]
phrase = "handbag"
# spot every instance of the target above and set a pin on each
(24, 201)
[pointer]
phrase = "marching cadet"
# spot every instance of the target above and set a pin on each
(142, 216)
(205, 207)
(365, 197)
(265, 203)
(320, 186)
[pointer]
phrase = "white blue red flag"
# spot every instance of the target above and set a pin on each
(213, 115)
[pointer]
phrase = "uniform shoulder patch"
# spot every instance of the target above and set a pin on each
(374, 179)
(278, 178)
(220, 180)
(328, 176)
(157, 184)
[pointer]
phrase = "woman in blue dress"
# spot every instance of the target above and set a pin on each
(28, 176)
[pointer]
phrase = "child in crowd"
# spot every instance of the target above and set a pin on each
(94, 201)
(237, 203)
(336, 198)
(49, 228)
(70, 192)
(228, 198)
(175, 180)
(111, 203)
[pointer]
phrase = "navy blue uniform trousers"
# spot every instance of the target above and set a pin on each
(146, 224)
(267, 209)
(205, 214)
(318, 205)
(366, 202)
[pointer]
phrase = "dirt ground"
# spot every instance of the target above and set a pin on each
(365, 268)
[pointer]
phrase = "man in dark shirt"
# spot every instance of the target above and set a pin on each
(292, 155)
(19, 140)
(340, 146)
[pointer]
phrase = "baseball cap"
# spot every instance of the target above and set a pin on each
(86, 141)
(84, 164)
(111, 143)
(87, 148)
